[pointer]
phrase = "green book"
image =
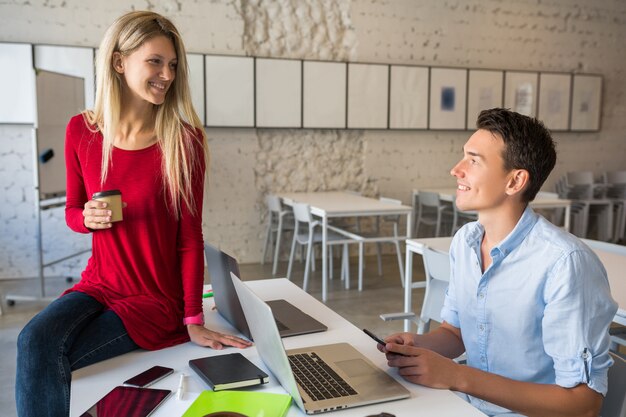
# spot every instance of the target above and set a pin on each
(250, 404)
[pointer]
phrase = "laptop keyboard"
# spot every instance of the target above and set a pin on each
(318, 379)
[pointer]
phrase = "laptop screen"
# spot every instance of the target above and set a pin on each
(220, 266)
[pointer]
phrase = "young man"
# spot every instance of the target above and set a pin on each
(529, 303)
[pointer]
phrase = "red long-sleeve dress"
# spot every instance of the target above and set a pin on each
(148, 268)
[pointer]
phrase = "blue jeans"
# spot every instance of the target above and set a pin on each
(72, 332)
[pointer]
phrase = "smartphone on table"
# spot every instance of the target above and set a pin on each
(148, 377)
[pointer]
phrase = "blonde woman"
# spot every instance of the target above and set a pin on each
(142, 287)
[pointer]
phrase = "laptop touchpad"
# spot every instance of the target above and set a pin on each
(355, 367)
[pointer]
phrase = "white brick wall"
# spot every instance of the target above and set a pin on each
(555, 35)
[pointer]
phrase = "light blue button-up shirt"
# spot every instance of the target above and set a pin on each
(540, 312)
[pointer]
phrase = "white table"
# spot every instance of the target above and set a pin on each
(540, 202)
(614, 262)
(334, 204)
(93, 382)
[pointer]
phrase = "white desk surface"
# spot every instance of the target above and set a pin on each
(343, 204)
(93, 382)
(614, 263)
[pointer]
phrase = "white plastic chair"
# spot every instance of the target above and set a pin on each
(430, 210)
(589, 201)
(460, 217)
(614, 404)
(306, 233)
(279, 219)
(376, 232)
(437, 269)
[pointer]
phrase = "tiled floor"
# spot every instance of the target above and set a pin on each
(381, 294)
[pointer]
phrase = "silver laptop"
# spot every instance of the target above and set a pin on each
(291, 321)
(354, 380)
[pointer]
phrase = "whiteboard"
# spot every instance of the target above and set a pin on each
(229, 95)
(324, 101)
(59, 97)
(278, 93)
(69, 60)
(17, 84)
(196, 83)
(408, 101)
(368, 96)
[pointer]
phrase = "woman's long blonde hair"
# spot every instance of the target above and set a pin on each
(176, 121)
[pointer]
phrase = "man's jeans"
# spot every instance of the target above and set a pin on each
(72, 332)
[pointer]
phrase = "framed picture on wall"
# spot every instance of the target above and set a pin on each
(448, 92)
(324, 100)
(408, 97)
(368, 96)
(229, 97)
(520, 92)
(278, 92)
(586, 102)
(554, 100)
(484, 92)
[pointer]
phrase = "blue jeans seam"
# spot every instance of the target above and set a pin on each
(60, 357)
(99, 348)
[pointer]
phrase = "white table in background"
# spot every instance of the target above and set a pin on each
(93, 382)
(614, 263)
(540, 202)
(335, 204)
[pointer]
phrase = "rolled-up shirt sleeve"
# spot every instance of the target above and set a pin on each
(578, 311)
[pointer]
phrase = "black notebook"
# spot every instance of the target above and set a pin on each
(228, 371)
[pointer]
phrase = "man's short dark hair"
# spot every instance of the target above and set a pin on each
(527, 145)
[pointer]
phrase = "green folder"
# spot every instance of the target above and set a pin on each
(248, 403)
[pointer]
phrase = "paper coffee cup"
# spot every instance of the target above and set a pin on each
(113, 198)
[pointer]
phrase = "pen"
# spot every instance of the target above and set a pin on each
(207, 294)
(180, 394)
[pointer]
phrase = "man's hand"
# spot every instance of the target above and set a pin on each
(422, 366)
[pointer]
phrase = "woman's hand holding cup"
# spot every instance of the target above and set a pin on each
(104, 209)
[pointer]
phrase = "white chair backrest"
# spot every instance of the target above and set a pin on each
(273, 203)
(436, 264)
(614, 404)
(615, 177)
(580, 177)
(437, 268)
(302, 213)
(429, 199)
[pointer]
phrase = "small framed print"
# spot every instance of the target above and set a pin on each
(554, 100)
(408, 97)
(586, 103)
(520, 92)
(448, 92)
(485, 90)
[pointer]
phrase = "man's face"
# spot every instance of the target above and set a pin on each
(480, 175)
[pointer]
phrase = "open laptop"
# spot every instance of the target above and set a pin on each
(355, 381)
(291, 321)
